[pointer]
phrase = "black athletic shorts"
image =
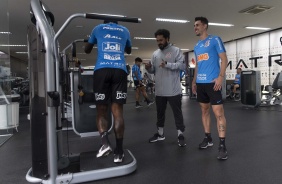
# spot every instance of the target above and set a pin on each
(136, 83)
(206, 94)
(110, 85)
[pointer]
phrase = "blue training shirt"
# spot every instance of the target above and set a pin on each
(207, 56)
(237, 79)
(136, 68)
(111, 40)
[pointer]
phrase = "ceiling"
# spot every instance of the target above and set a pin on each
(182, 35)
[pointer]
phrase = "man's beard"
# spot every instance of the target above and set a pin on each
(162, 46)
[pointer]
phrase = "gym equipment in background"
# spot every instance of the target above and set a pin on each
(48, 163)
(271, 95)
(251, 88)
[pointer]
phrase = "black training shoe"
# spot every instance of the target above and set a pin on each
(206, 143)
(222, 153)
(157, 137)
(181, 142)
(138, 106)
(104, 151)
(150, 103)
(118, 156)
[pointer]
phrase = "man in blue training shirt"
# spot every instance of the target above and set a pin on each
(237, 81)
(207, 83)
(110, 81)
(140, 87)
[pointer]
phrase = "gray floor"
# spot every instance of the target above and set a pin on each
(253, 142)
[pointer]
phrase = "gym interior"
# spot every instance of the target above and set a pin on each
(54, 138)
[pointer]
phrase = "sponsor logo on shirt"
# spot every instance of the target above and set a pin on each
(121, 95)
(207, 43)
(112, 57)
(99, 96)
(202, 77)
(168, 55)
(113, 28)
(203, 57)
(112, 36)
(111, 47)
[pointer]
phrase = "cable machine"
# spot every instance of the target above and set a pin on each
(48, 166)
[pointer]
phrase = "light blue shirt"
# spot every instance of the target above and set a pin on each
(111, 40)
(207, 56)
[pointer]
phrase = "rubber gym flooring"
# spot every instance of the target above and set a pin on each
(253, 143)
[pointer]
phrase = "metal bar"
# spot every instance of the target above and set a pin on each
(48, 35)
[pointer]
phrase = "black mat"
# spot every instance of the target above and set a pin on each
(4, 138)
(88, 161)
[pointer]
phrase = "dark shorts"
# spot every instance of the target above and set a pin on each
(110, 85)
(136, 84)
(206, 94)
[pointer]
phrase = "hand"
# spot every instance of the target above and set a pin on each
(148, 65)
(194, 88)
(217, 83)
(163, 63)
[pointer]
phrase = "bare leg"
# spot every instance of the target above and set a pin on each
(206, 119)
(220, 118)
(117, 110)
(101, 119)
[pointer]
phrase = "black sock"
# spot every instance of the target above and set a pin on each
(208, 136)
(119, 147)
(222, 141)
(137, 102)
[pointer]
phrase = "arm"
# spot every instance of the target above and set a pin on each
(136, 75)
(149, 66)
(219, 79)
(88, 47)
(128, 45)
(194, 86)
(127, 50)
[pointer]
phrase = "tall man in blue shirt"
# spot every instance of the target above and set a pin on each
(110, 81)
(207, 83)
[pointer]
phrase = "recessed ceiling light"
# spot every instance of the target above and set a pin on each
(134, 48)
(144, 38)
(185, 49)
(5, 33)
(4, 45)
(21, 52)
(259, 28)
(79, 26)
(220, 24)
(171, 20)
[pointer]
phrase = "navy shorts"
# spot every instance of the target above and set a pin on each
(110, 85)
(206, 94)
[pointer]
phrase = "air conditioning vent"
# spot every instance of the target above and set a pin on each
(256, 9)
